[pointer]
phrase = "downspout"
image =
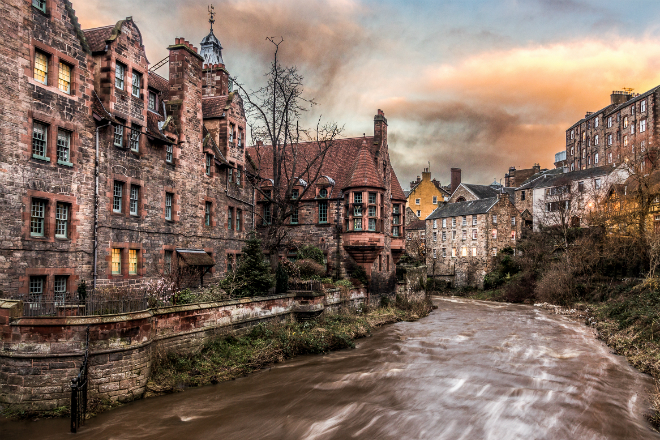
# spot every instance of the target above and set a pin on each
(96, 203)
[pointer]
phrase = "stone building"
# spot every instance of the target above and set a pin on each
(623, 130)
(463, 237)
(425, 194)
(112, 173)
(516, 177)
(354, 210)
(470, 191)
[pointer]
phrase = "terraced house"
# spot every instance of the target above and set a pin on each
(111, 173)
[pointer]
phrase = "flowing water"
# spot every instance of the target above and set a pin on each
(471, 370)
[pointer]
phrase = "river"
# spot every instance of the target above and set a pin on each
(471, 370)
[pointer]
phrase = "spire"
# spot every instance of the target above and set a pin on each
(211, 49)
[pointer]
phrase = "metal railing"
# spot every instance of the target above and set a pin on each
(79, 392)
(306, 285)
(93, 304)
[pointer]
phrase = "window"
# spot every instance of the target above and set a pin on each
(464, 235)
(435, 224)
(453, 235)
(632, 128)
(494, 252)
(494, 219)
(238, 177)
(513, 235)
(36, 289)
(435, 200)
(444, 235)
(572, 167)
(357, 224)
(137, 83)
(418, 201)
(609, 122)
(372, 213)
(168, 206)
(494, 234)
(120, 71)
(596, 158)
(642, 126)
(323, 212)
(268, 218)
(152, 100)
(324, 194)
(169, 153)
(41, 67)
(39, 4)
(419, 213)
(474, 251)
(609, 139)
(208, 164)
(239, 220)
(597, 183)
(230, 218)
(294, 216)
(64, 78)
(61, 220)
(132, 262)
(395, 231)
(609, 158)
(231, 132)
(444, 252)
(372, 198)
(596, 140)
(135, 138)
(572, 134)
(372, 224)
(444, 222)
(357, 197)
(434, 254)
(167, 266)
(135, 196)
(117, 194)
(474, 234)
(40, 141)
(625, 141)
(572, 151)
(625, 122)
(207, 214)
(464, 221)
(453, 252)
(63, 147)
(596, 122)
(240, 137)
(59, 288)
(295, 194)
(230, 262)
(522, 195)
(642, 106)
(357, 211)
(453, 222)
(474, 220)
(119, 136)
(37, 218)
(435, 236)
(116, 261)
(513, 221)
(589, 160)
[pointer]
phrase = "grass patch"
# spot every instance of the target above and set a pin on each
(229, 356)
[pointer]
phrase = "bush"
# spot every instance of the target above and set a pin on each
(309, 252)
(520, 288)
(184, 296)
(252, 277)
(290, 268)
(310, 269)
(344, 283)
(556, 286)
(326, 280)
(361, 275)
(281, 279)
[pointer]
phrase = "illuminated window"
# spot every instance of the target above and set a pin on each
(357, 224)
(41, 67)
(453, 252)
(132, 262)
(474, 251)
(64, 78)
(116, 261)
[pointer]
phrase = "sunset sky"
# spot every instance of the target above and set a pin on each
(480, 85)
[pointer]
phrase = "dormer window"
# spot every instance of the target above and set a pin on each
(152, 101)
(323, 193)
(294, 194)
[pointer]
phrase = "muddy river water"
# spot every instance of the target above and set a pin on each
(471, 370)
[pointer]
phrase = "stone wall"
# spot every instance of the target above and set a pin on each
(411, 282)
(40, 356)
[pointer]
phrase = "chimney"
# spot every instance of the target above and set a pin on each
(380, 129)
(619, 97)
(536, 168)
(455, 178)
(426, 174)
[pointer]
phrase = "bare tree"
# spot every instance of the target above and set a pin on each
(288, 156)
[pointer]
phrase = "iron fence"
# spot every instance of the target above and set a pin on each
(93, 304)
(306, 285)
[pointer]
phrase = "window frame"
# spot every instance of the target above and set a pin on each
(115, 252)
(135, 138)
(61, 80)
(65, 147)
(62, 221)
(134, 201)
(133, 262)
(323, 211)
(120, 76)
(44, 140)
(38, 220)
(117, 196)
(41, 5)
(208, 207)
(136, 76)
(38, 62)
(169, 203)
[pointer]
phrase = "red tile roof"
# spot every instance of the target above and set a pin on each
(159, 83)
(416, 224)
(99, 110)
(397, 191)
(214, 106)
(152, 126)
(96, 37)
(363, 172)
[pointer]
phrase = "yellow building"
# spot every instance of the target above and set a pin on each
(425, 195)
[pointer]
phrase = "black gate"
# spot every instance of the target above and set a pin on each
(79, 392)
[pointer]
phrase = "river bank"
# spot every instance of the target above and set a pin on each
(625, 316)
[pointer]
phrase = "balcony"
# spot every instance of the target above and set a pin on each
(364, 246)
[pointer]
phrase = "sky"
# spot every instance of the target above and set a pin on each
(474, 84)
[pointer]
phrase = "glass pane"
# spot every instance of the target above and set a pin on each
(116, 261)
(64, 78)
(37, 217)
(41, 67)
(63, 146)
(132, 262)
(39, 140)
(61, 220)
(117, 195)
(135, 193)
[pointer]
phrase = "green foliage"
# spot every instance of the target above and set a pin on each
(252, 276)
(344, 283)
(184, 296)
(326, 280)
(309, 252)
(310, 269)
(281, 279)
(505, 267)
(360, 274)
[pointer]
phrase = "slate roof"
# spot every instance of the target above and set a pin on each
(406, 193)
(337, 165)
(563, 178)
(416, 225)
(161, 84)
(99, 110)
(541, 174)
(214, 106)
(472, 207)
(96, 37)
(487, 191)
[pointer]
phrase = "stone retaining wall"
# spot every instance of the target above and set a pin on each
(39, 356)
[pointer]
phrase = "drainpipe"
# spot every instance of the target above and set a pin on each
(96, 202)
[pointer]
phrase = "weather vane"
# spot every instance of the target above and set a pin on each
(212, 16)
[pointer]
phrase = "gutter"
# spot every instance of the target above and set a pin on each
(96, 202)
